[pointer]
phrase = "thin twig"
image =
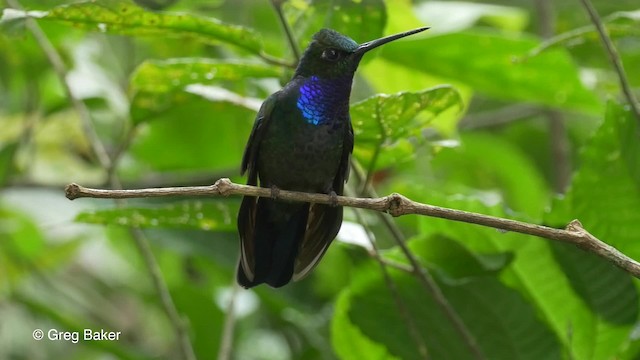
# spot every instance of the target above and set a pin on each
(277, 5)
(397, 265)
(394, 204)
(117, 154)
(165, 297)
(558, 138)
(546, 18)
(501, 116)
(614, 57)
(107, 164)
(226, 341)
(269, 59)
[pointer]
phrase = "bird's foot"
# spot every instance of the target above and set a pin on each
(333, 201)
(275, 192)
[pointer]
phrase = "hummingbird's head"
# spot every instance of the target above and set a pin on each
(331, 54)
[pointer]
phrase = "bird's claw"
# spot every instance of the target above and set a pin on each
(275, 192)
(333, 201)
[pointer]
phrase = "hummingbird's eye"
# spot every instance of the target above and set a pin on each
(331, 54)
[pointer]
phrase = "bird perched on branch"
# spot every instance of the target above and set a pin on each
(302, 140)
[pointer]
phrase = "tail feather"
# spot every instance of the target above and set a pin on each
(270, 233)
(322, 227)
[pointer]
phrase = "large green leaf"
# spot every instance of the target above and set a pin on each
(494, 64)
(628, 136)
(124, 17)
(605, 192)
(158, 85)
(347, 339)
(212, 216)
(504, 324)
(591, 278)
(452, 259)
(395, 122)
(605, 197)
(547, 284)
(198, 135)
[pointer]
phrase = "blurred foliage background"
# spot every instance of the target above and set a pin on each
(508, 108)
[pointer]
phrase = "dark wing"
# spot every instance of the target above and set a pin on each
(247, 213)
(250, 156)
(324, 220)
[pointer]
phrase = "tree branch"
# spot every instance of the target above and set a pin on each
(394, 204)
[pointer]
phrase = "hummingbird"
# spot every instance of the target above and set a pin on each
(302, 140)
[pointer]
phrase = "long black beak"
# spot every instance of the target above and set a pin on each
(370, 45)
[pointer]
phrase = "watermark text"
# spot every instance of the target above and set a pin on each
(77, 336)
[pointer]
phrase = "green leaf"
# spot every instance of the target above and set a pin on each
(605, 192)
(504, 324)
(158, 85)
(596, 280)
(493, 64)
(347, 339)
(198, 135)
(211, 216)
(395, 122)
(541, 278)
(125, 18)
(452, 259)
(605, 197)
(628, 136)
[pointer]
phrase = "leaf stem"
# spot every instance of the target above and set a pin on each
(374, 159)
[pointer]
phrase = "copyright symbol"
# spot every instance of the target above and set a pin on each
(38, 334)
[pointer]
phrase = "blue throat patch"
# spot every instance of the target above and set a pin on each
(314, 101)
